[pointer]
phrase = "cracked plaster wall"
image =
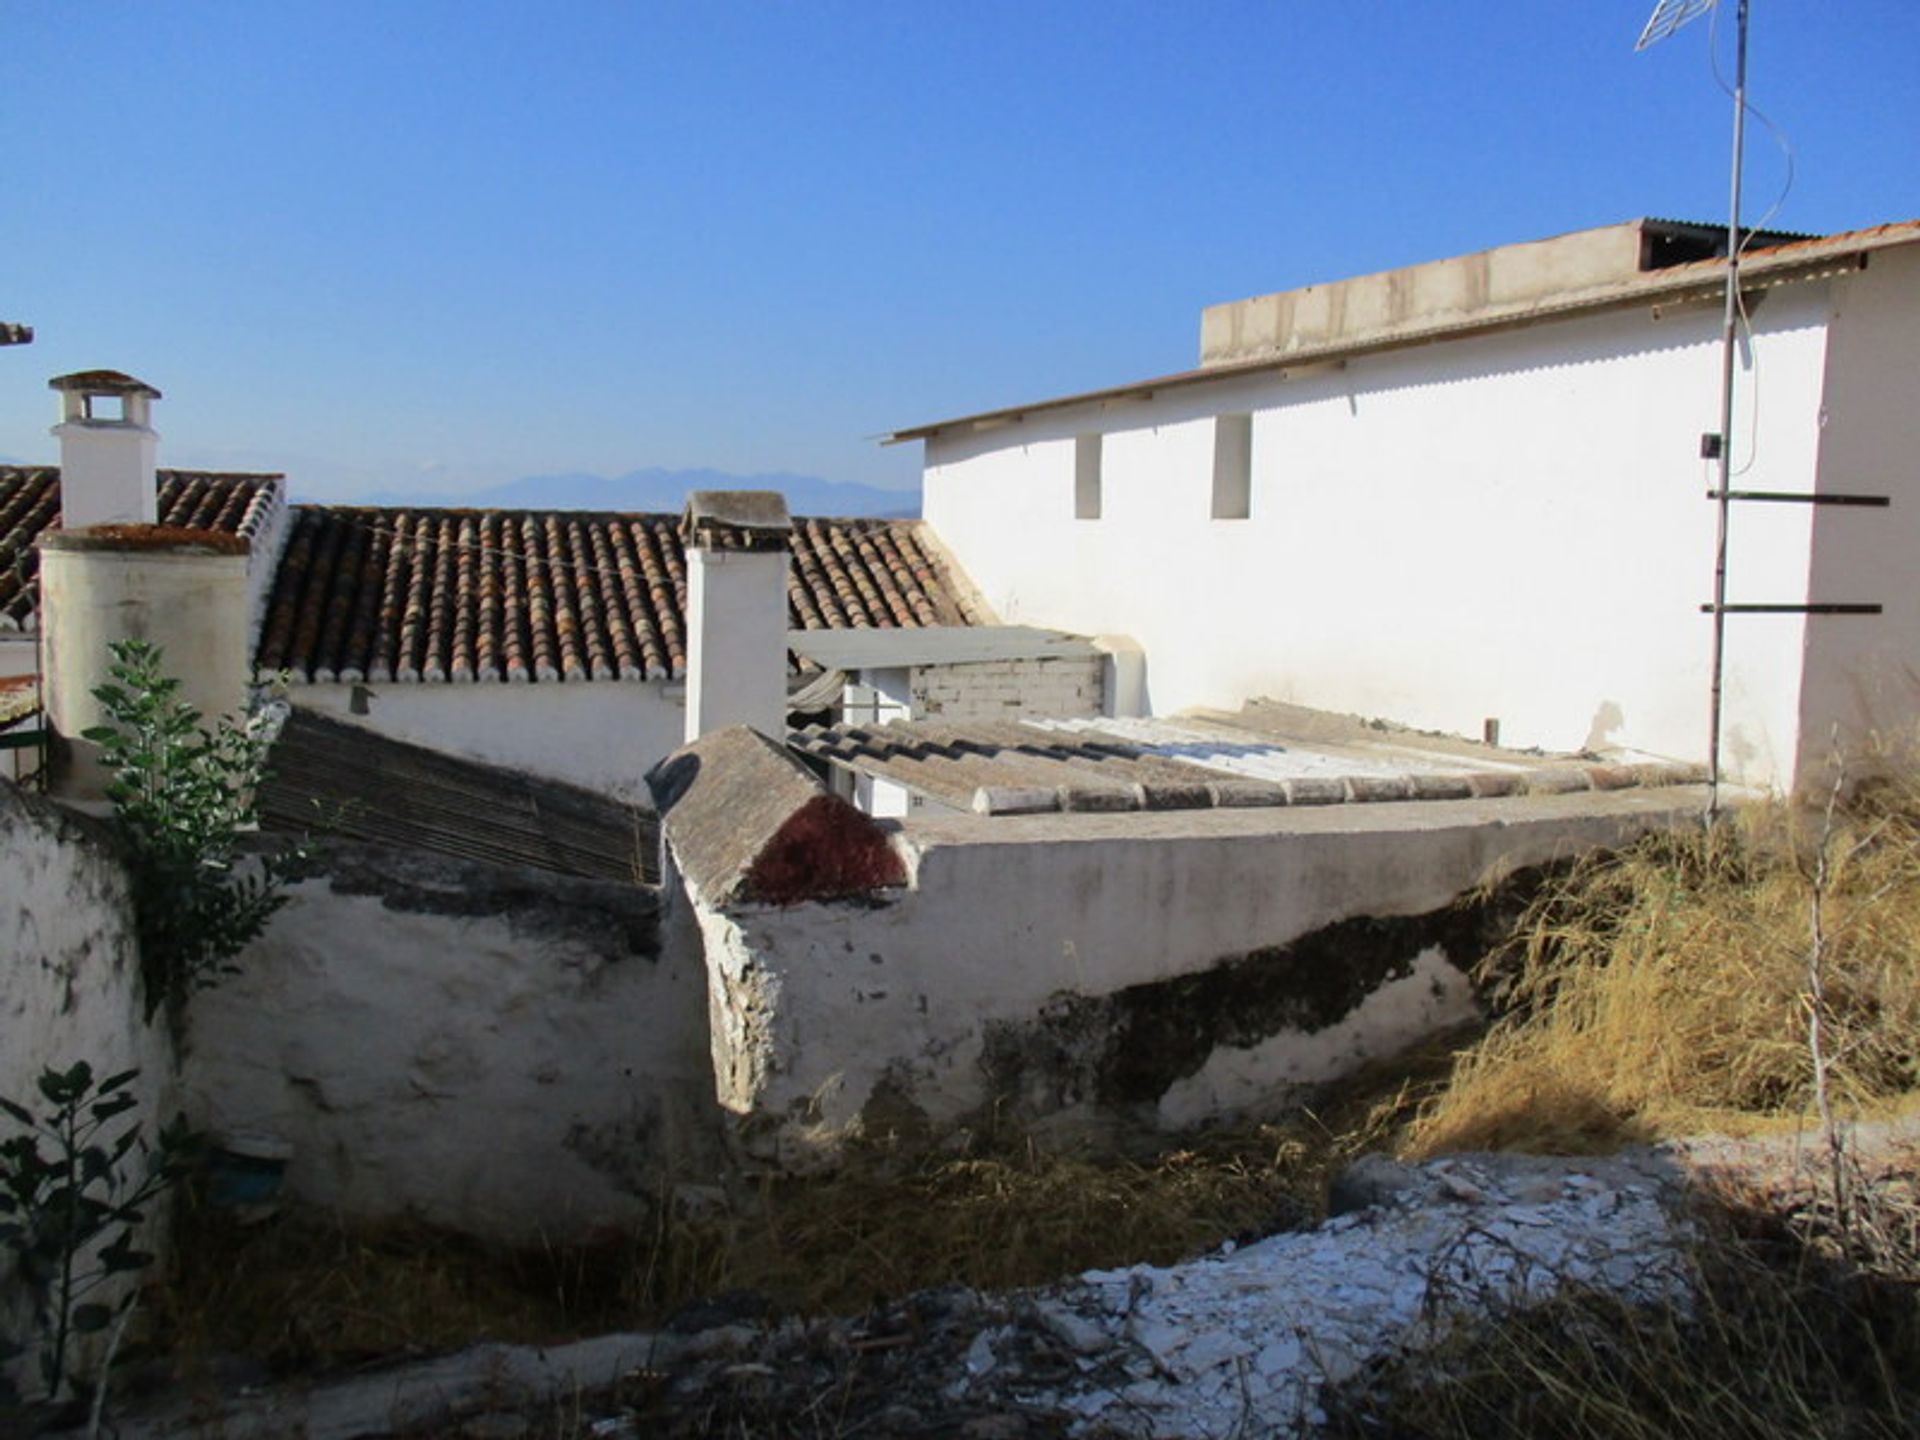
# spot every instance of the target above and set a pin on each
(507, 1052)
(70, 985)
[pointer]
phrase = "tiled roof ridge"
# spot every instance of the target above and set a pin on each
(398, 593)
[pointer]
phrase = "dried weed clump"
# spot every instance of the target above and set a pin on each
(304, 1294)
(1663, 990)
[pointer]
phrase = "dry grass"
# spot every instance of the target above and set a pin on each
(304, 1294)
(1800, 1327)
(1662, 990)
(1666, 991)
(307, 1295)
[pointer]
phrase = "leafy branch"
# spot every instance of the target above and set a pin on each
(72, 1202)
(184, 794)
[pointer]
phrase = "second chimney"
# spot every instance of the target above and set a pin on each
(737, 542)
(106, 449)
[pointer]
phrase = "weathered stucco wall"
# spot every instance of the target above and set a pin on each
(70, 985)
(605, 735)
(1510, 527)
(508, 1052)
(1169, 967)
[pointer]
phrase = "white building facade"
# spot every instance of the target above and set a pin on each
(1469, 497)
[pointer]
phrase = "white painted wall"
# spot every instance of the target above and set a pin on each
(483, 1070)
(736, 641)
(602, 735)
(1862, 682)
(70, 985)
(1510, 526)
(190, 600)
(107, 467)
(70, 988)
(815, 1006)
(18, 654)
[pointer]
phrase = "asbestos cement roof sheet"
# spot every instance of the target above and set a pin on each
(1038, 765)
(329, 778)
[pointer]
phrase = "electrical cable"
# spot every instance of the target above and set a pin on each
(1745, 319)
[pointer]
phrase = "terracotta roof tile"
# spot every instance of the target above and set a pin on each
(531, 597)
(189, 500)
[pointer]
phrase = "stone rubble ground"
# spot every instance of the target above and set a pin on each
(1236, 1343)
(1240, 1342)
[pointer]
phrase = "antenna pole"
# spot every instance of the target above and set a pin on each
(1728, 343)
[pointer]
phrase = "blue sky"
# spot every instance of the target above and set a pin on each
(426, 245)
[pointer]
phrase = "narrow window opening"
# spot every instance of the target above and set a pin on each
(107, 408)
(1086, 477)
(1232, 467)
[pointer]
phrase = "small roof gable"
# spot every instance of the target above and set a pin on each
(382, 594)
(189, 500)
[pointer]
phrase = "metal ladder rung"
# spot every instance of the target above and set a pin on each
(1878, 502)
(1791, 609)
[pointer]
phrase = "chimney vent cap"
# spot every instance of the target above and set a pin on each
(102, 382)
(737, 519)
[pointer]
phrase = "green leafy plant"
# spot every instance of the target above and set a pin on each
(72, 1200)
(184, 794)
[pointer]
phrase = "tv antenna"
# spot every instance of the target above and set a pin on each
(1668, 16)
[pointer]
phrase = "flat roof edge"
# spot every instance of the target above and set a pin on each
(1779, 265)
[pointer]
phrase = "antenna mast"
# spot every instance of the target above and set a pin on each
(1668, 16)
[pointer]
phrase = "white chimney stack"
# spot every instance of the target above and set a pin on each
(106, 449)
(737, 542)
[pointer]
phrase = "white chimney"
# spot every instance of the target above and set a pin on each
(736, 543)
(106, 449)
(185, 591)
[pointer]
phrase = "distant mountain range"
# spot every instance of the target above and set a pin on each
(658, 491)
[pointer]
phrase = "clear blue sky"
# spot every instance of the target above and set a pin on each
(415, 244)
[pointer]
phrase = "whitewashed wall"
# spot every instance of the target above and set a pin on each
(1508, 527)
(1027, 958)
(602, 735)
(1862, 683)
(512, 1054)
(70, 985)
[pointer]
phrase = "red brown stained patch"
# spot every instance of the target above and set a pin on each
(826, 850)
